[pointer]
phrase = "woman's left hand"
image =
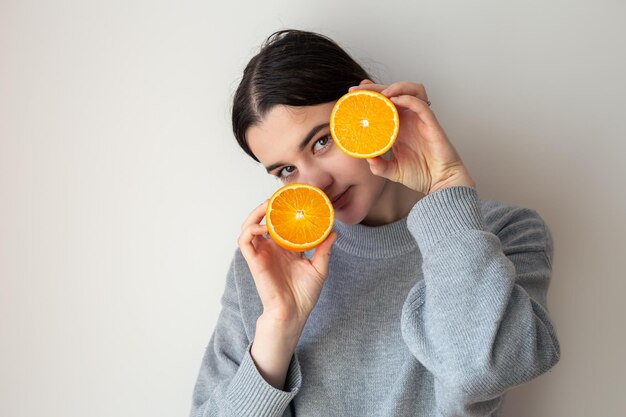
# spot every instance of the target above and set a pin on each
(424, 158)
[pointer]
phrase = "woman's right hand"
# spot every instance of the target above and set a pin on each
(288, 283)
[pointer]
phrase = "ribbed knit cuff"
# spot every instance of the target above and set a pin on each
(444, 213)
(250, 395)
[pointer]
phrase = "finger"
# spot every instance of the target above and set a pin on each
(321, 257)
(406, 88)
(363, 82)
(383, 168)
(256, 215)
(418, 106)
(371, 87)
(247, 236)
(259, 241)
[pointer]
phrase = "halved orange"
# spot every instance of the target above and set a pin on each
(364, 123)
(299, 217)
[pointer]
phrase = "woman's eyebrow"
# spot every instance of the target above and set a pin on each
(303, 145)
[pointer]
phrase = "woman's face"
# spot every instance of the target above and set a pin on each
(294, 143)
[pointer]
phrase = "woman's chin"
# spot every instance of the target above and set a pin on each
(349, 215)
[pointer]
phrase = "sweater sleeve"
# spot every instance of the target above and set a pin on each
(228, 383)
(479, 320)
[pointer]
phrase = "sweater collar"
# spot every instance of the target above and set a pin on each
(385, 241)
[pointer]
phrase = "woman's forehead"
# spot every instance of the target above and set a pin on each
(283, 128)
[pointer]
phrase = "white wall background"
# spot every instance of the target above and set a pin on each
(122, 189)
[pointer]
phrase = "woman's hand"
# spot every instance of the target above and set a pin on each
(288, 283)
(289, 286)
(424, 159)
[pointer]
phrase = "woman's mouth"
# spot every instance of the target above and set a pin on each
(340, 200)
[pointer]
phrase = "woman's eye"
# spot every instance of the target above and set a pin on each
(288, 170)
(323, 140)
(320, 144)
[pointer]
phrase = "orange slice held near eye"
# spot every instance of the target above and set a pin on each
(299, 217)
(364, 123)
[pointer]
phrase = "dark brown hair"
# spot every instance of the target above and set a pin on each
(294, 68)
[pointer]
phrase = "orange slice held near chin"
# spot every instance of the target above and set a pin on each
(299, 217)
(364, 123)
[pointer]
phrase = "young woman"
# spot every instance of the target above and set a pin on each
(424, 301)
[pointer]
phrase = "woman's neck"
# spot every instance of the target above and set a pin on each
(394, 203)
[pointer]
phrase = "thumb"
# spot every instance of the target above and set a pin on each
(321, 257)
(382, 167)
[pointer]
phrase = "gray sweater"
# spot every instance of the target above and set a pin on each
(436, 314)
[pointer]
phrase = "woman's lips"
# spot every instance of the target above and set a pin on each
(341, 198)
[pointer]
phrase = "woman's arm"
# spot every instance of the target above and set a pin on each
(260, 378)
(228, 382)
(479, 320)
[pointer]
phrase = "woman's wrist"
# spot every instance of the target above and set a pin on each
(274, 344)
(287, 331)
(454, 181)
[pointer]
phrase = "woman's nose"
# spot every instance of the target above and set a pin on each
(319, 178)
